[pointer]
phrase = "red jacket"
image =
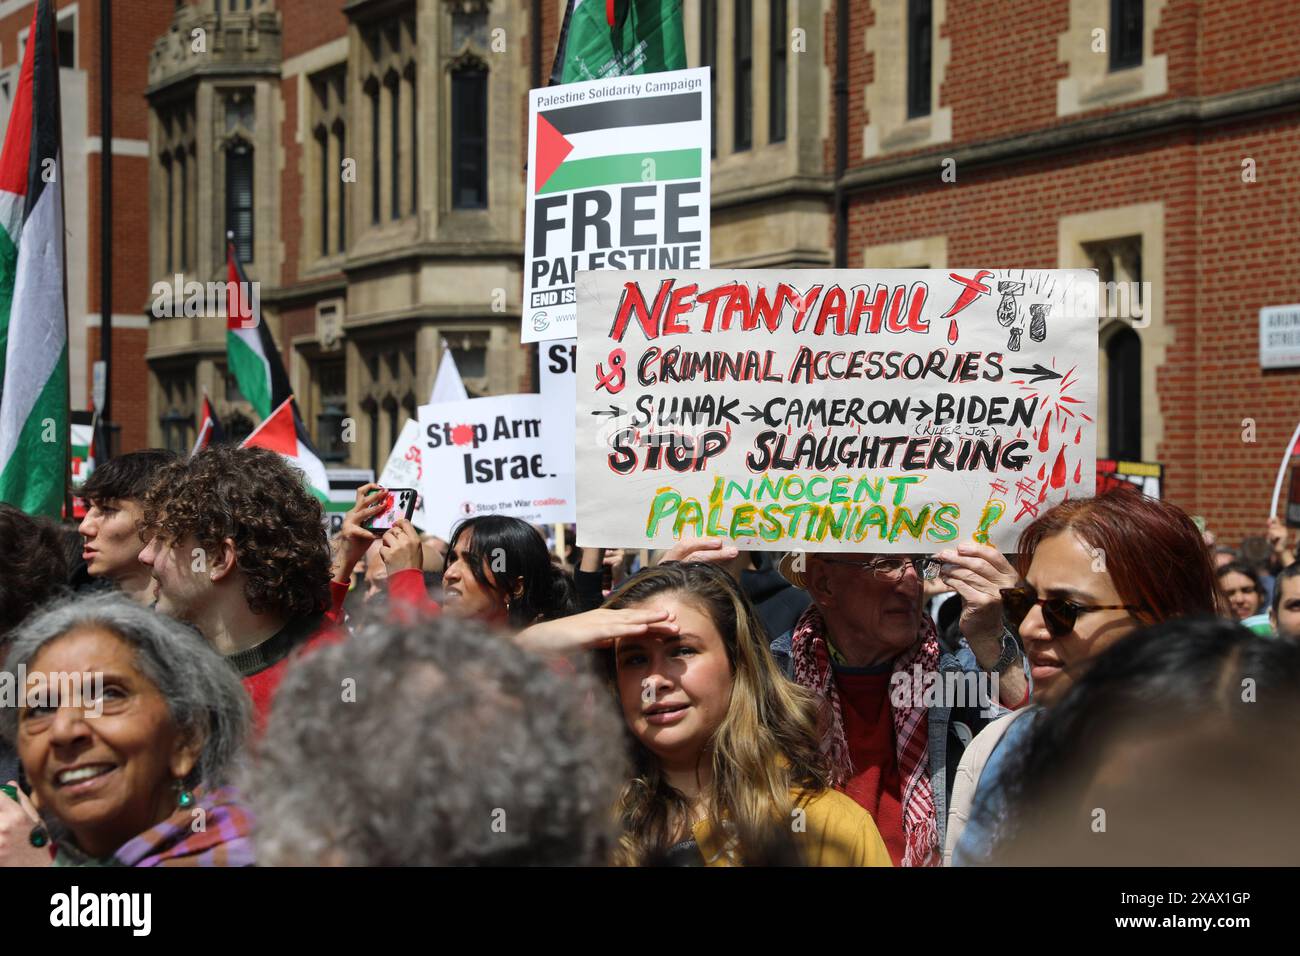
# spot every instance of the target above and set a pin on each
(408, 598)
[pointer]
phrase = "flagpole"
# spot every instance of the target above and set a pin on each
(63, 241)
(105, 212)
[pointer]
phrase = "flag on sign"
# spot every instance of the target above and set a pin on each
(210, 429)
(281, 432)
(448, 387)
(602, 38)
(581, 147)
(34, 435)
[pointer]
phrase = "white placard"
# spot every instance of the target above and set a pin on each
(497, 455)
(875, 410)
(618, 178)
(403, 468)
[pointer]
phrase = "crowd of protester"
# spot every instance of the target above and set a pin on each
(248, 691)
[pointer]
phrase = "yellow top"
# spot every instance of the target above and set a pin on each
(829, 829)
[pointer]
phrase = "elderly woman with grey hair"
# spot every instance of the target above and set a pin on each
(439, 743)
(128, 727)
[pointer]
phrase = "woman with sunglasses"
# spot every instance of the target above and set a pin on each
(1094, 570)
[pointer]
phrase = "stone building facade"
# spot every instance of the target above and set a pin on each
(367, 157)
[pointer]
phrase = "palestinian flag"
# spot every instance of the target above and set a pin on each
(250, 351)
(579, 147)
(255, 362)
(34, 435)
(83, 452)
(210, 429)
(281, 432)
(603, 38)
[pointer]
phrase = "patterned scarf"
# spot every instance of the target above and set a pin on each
(225, 840)
(811, 654)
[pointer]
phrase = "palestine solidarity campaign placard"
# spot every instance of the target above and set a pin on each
(881, 410)
(618, 178)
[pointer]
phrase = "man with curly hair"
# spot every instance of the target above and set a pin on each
(237, 548)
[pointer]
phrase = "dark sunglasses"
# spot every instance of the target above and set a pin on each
(1059, 614)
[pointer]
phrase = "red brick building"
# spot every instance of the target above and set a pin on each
(1157, 140)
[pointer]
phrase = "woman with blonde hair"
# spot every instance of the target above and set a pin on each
(727, 765)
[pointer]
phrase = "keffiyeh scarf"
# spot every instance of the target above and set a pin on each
(810, 653)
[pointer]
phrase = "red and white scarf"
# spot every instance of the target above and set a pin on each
(812, 669)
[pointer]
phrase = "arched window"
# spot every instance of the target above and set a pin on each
(469, 164)
(1124, 394)
(239, 196)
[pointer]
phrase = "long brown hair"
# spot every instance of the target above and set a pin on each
(766, 746)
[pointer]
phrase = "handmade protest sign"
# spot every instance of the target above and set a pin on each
(884, 411)
(618, 178)
(404, 467)
(497, 455)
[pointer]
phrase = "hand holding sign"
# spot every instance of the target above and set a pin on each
(978, 572)
(710, 550)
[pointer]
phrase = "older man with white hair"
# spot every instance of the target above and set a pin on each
(902, 704)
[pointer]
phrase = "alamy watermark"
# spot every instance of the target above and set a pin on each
(1131, 302)
(930, 689)
(240, 301)
(40, 690)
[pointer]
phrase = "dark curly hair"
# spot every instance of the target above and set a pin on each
(34, 568)
(127, 476)
(257, 499)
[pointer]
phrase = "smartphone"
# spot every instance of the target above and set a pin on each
(398, 503)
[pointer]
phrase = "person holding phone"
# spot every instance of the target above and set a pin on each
(379, 525)
(1093, 571)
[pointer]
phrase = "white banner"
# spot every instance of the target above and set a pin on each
(404, 468)
(618, 178)
(497, 455)
(879, 411)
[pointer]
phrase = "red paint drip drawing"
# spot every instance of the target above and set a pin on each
(1058, 469)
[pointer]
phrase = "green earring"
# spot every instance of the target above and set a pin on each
(39, 837)
(184, 798)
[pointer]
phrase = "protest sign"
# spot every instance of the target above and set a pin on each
(498, 455)
(618, 178)
(558, 379)
(403, 468)
(1145, 475)
(883, 411)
